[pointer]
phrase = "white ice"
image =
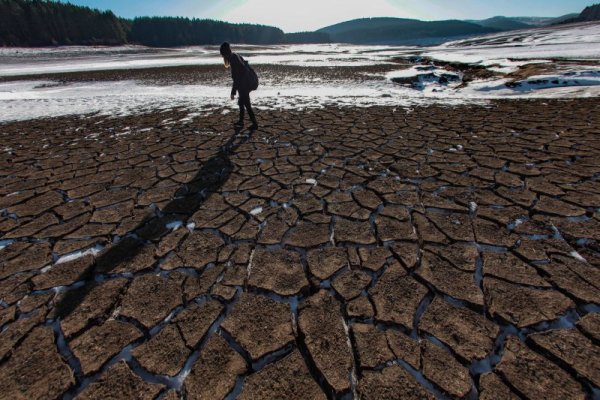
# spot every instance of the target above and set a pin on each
(256, 211)
(174, 225)
(473, 206)
(94, 251)
(5, 243)
(578, 256)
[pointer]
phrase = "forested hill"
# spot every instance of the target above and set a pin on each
(49, 23)
(591, 13)
(43, 23)
(402, 31)
(167, 32)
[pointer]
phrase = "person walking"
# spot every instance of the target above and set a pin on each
(245, 80)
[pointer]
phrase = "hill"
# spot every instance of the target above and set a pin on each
(559, 20)
(503, 23)
(51, 23)
(402, 31)
(591, 13)
(534, 21)
(45, 23)
(543, 21)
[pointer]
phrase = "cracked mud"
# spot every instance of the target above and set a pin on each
(372, 253)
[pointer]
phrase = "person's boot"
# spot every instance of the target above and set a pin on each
(240, 122)
(254, 125)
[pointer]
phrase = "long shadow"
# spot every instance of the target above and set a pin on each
(188, 199)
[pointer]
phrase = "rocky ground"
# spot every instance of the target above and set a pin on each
(447, 252)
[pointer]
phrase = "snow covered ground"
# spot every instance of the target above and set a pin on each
(509, 50)
(567, 59)
(19, 61)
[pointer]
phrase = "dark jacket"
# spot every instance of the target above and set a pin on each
(238, 73)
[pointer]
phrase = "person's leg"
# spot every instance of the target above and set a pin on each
(248, 106)
(241, 105)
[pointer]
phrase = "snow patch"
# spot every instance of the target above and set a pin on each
(174, 225)
(473, 206)
(256, 210)
(509, 48)
(23, 61)
(94, 251)
(577, 256)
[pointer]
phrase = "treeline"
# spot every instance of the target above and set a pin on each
(51, 23)
(45, 23)
(168, 32)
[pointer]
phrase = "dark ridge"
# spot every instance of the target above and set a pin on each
(402, 31)
(591, 13)
(503, 23)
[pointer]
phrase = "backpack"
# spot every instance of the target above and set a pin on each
(250, 76)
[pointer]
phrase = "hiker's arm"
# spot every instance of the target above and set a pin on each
(234, 89)
(236, 74)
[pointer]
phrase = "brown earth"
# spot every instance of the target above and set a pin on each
(410, 267)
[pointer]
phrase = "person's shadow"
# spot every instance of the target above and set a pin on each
(188, 199)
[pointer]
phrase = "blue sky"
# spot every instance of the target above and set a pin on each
(298, 15)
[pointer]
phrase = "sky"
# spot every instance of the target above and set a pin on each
(306, 15)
